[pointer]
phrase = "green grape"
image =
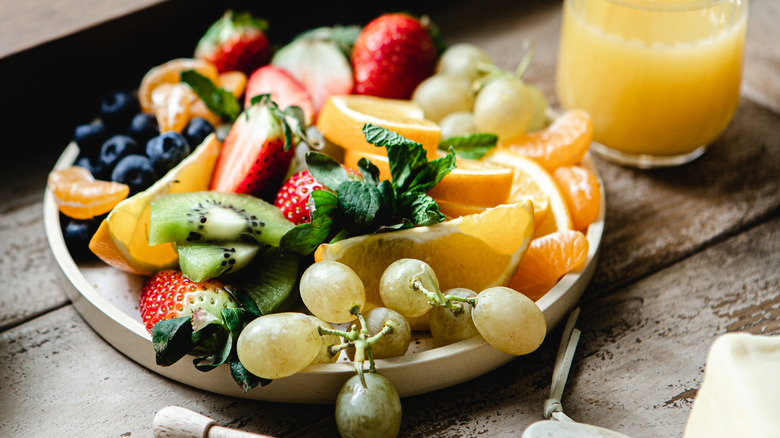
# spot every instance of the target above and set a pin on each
(504, 107)
(324, 355)
(370, 412)
(509, 321)
(330, 289)
(395, 287)
(278, 344)
(448, 327)
(459, 124)
(539, 118)
(439, 95)
(391, 344)
(463, 59)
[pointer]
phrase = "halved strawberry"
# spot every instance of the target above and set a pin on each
(392, 55)
(235, 42)
(283, 88)
(318, 61)
(169, 294)
(256, 154)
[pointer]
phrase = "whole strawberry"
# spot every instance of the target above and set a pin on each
(256, 153)
(169, 294)
(392, 55)
(293, 197)
(235, 42)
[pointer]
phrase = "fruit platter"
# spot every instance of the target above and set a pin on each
(359, 204)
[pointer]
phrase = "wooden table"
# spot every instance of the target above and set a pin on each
(688, 253)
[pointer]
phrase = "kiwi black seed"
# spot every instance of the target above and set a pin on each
(200, 261)
(210, 216)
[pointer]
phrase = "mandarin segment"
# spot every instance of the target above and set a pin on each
(79, 196)
(549, 258)
(563, 143)
(170, 72)
(172, 106)
(580, 187)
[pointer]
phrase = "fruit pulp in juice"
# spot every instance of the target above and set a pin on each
(656, 81)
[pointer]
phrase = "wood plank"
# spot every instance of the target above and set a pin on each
(637, 368)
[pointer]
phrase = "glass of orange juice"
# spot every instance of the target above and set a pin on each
(660, 78)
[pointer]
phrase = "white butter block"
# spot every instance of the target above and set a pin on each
(740, 394)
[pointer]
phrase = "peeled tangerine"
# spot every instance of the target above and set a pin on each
(79, 196)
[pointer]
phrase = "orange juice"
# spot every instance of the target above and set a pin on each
(660, 78)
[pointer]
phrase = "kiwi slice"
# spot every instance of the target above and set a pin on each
(200, 261)
(211, 216)
(266, 285)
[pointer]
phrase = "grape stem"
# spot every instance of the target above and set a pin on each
(361, 340)
(436, 297)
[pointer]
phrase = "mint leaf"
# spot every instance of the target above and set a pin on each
(220, 101)
(419, 208)
(404, 155)
(429, 174)
(305, 238)
(472, 146)
(326, 170)
(369, 171)
(359, 203)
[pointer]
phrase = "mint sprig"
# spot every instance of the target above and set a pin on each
(220, 101)
(351, 207)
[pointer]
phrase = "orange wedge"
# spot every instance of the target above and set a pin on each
(79, 196)
(548, 259)
(342, 118)
(475, 252)
(121, 239)
(534, 182)
(563, 143)
(472, 182)
(580, 187)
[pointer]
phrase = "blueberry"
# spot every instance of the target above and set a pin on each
(136, 171)
(166, 151)
(197, 130)
(94, 167)
(115, 148)
(77, 234)
(143, 127)
(89, 137)
(117, 108)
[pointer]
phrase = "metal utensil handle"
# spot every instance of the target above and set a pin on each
(179, 422)
(571, 336)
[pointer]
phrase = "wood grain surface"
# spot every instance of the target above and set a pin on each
(688, 253)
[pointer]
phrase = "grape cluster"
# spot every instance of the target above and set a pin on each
(469, 94)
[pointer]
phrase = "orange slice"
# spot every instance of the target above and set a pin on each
(475, 252)
(534, 182)
(472, 182)
(170, 72)
(79, 196)
(121, 239)
(563, 143)
(580, 188)
(548, 259)
(342, 118)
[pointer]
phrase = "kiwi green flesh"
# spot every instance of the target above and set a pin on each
(200, 261)
(268, 283)
(211, 216)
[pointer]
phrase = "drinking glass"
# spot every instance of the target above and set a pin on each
(660, 78)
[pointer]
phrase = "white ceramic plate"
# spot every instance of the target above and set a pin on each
(107, 299)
